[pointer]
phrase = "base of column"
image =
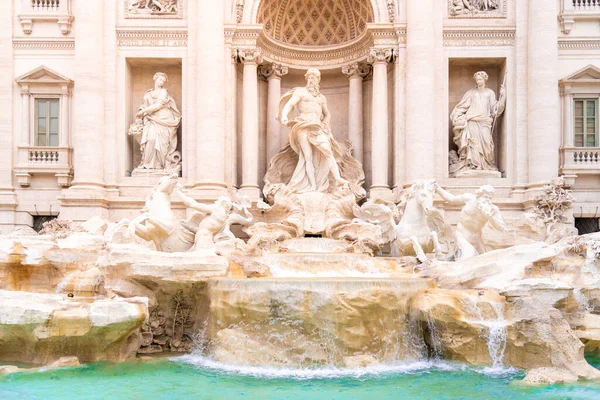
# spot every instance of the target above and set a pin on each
(84, 201)
(381, 192)
(8, 211)
(252, 192)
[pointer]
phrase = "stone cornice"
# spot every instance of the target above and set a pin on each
(43, 44)
(479, 37)
(152, 37)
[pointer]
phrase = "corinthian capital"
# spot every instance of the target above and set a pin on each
(356, 70)
(247, 56)
(273, 70)
(381, 56)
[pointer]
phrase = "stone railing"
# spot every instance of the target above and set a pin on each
(46, 5)
(44, 160)
(585, 5)
(573, 10)
(46, 10)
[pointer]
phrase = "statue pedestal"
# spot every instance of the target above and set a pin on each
(477, 173)
(155, 172)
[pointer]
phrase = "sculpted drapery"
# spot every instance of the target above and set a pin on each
(473, 120)
(160, 118)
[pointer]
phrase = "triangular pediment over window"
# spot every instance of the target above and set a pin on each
(43, 75)
(591, 73)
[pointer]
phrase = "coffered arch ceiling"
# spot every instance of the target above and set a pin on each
(314, 22)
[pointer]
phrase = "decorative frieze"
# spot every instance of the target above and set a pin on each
(152, 38)
(484, 37)
(582, 44)
(158, 9)
(477, 8)
(43, 44)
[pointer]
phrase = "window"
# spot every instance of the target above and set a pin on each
(46, 122)
(587, 225)
(586, 123)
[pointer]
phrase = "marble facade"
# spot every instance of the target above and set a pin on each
(392, 71)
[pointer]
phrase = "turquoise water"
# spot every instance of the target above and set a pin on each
(192, 377)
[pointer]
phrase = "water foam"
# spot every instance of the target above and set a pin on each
(331, 372)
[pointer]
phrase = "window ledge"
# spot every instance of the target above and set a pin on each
(64, 20)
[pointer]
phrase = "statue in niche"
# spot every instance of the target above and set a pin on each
(155, 129)
(473, 121)
(313, 161)
(477, 211)
(154, 6)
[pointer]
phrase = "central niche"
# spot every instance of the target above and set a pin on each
(315, 22)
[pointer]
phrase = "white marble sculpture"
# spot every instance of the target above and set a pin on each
(412, 226)
(473, 121)
(154, 6)
(155, 129)
(477, 211)
(471, 7)
(314, 161)
(207, 225)
(211, 223)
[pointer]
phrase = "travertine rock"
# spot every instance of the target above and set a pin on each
(40, 328)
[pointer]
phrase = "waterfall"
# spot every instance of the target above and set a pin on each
(582, 300)
(495, 332)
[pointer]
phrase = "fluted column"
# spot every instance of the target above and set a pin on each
(210, 95)
(543, 120)
(250, 146)
(89, 95)
(355, 74)
(379, 123)
(273, 73)
(420, 94)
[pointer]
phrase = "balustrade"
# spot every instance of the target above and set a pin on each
(583, 5)
(44, 160)
(45, 5)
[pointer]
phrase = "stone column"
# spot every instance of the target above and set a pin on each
(355, 74)
(543, 119)
(379, 123)
(567, 98)
(25, 116)
(210, 103)
(250, 58)
(273, 73)
(63, 136)
(420, 94)
(8, 201)
(89, 96)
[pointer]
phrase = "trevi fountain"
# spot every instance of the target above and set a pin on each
(312, 237)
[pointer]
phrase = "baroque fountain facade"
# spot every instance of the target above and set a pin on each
(301, 184)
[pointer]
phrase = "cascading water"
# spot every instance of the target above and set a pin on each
(313, 322)
(493, 328)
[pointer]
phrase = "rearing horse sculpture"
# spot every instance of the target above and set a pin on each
(412, 226)
(157, 223)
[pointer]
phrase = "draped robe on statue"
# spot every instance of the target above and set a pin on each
(317, 133)
(159, 137)
(472, 119)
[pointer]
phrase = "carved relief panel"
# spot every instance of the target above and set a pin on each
(477, 8)
(153, 8)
